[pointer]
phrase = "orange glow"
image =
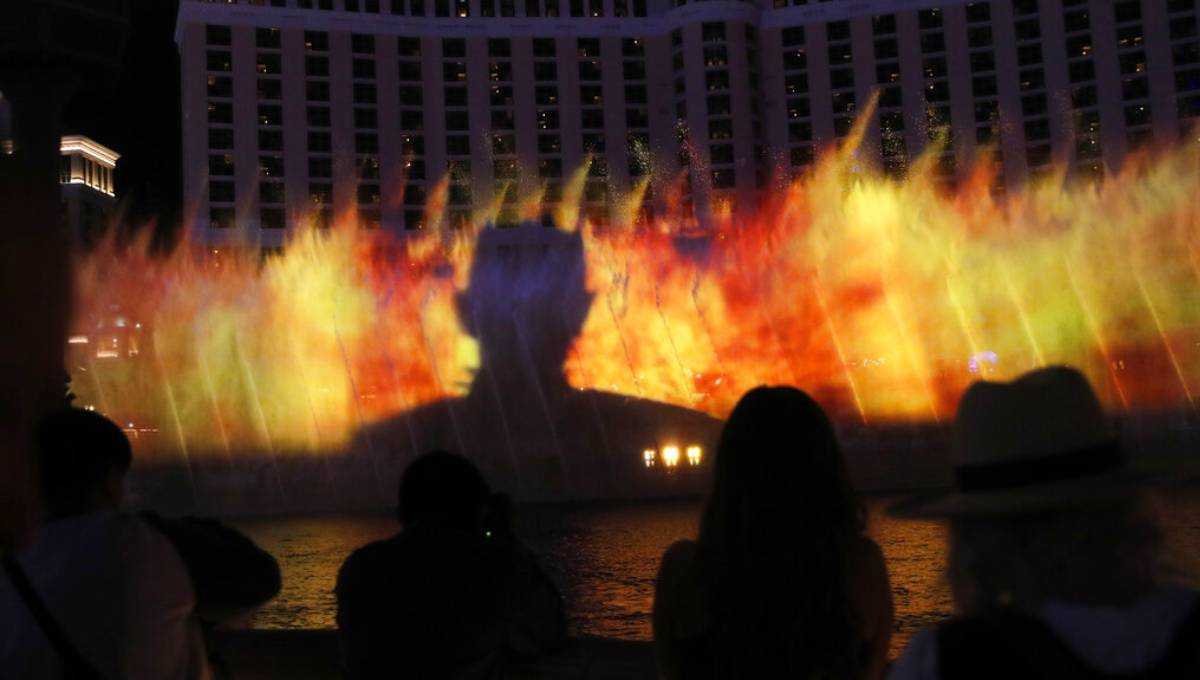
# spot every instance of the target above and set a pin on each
(876, 295)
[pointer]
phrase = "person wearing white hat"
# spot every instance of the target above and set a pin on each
(1055, 554)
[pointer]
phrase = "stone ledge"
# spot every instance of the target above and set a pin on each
(313, 655)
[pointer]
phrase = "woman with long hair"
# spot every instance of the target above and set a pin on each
(781, 582)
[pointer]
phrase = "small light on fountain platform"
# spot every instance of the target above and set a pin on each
(693, 455)
(670, 455)
(649, 456)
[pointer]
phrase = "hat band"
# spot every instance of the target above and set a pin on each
(1059, 467)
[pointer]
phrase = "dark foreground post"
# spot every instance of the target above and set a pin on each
(49, 52)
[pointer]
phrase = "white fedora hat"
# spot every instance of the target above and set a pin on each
(1041, 442)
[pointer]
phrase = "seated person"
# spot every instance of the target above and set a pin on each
(1054, 553)
(101, 592)
(442, 598)
(781, 582)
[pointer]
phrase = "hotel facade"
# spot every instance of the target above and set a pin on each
(311, 110)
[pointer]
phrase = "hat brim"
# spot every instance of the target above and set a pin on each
(1034, 499)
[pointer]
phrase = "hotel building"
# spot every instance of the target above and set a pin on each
(313, 109)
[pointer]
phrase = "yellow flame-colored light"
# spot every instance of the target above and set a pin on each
(648, 456)
(693, 455)
(670, 455)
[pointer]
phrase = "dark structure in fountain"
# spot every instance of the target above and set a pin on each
(529, 430)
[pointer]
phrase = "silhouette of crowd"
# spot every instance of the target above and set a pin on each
(1054, 562)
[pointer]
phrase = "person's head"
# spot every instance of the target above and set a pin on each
(528, 284)
(442, 489)
(1046, 506)
(778, 534)
(1044, 511)
(82, 458)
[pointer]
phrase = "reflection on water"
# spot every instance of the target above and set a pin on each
(604, 558)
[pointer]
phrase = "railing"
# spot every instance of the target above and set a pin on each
(313, 655)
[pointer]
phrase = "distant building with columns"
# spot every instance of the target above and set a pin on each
(86, 175)
(88, 188)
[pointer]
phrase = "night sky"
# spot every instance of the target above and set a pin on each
(140, 118)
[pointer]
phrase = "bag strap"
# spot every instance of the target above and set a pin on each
(75, 664)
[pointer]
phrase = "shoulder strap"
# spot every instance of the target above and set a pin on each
(75, 665)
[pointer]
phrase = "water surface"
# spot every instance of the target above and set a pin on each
(604, 558)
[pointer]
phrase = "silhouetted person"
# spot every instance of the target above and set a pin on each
(105, 593)
(521, 422)
(441, 599)
(1054, 555)
(782, 582)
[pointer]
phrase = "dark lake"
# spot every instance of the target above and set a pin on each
(604, 558)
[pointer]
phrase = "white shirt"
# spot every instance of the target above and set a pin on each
(119, 591)
(1109, 639)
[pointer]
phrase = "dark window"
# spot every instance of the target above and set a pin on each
(545, 70)
(547, 119)
(1076, 20)
(220, 86)
(983, 61)
(979, 36)
(407, 46)
(840, 54)
(1135, 88)
(719, 105)
(364, 93)
(1033, 105)
(361, 43)
(795, 60)
(458, 145)
(720, 129)
(412, 120)
(1036, 130)
(1029, 29)
(364, 68)
(841, 78)
(457, 121)
(1128, 10)
(270, 140)
(979, 12)
(366, 118)
(220, 138)
(1082, 97)
(270, 192)
(318, 116)
(887, 49)
(454, 72)
(635, 94)
(454, 48)
(589, 70)
(634, 70)
(218, 35)
(220, 191)
(984, 86)
(499, 47)
(796, 83)
(930, 18)
(933, 42)
(723, 178)
(220, 112)
(884, 24)
(219, 60)
(592, 118)
(1138, 114)
(317, 41)
(1183, 27)
(316, 90)
(837, 30)
(320, 142)
(503, 145)
(793, 35)
(1028, 55)
(720, 154)
(502, 119)
(316, 66)
(320, 167)
(1032, 79)
(270, 88)
(544, 47)
(712, 31)
(220, 218)
(220, 164)
(500, 71)
(549, 144)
